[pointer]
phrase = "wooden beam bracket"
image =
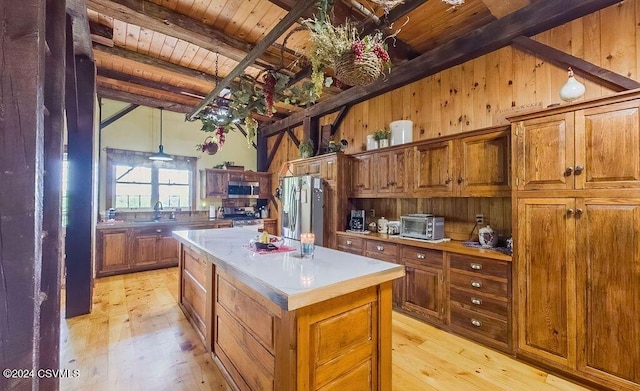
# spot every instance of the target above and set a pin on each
(118, 115)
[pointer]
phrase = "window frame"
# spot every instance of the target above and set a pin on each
(137, 158)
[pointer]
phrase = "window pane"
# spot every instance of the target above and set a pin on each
(133, 195)
(174, 196)
(166, 176)
(133, 174)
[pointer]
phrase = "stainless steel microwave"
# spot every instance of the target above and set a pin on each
(242, 189)
(422, 226)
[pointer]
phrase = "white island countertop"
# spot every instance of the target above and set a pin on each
(286, 279)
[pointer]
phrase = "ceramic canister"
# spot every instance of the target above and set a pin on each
(401, 131)
(488, 237)
(382, 225)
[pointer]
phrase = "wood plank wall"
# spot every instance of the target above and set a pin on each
(479, 93)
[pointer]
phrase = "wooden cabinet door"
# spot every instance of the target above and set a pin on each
(215, 184)
(544, 153)
(145, 250)
(608, 284)
(264, 181)
(362, 176)
(423, 290)
(432, 169)
(328, 169)
(167, 251)
(545, 262)
(113, 251)
(483, 166)
(300, 169)
(391, 171)
(608, 146)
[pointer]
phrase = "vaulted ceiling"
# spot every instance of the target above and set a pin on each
(163, 53)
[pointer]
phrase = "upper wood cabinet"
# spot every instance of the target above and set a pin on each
(264, 181)
(472, 164)
(590, 148)
(362, 176)
(433, 169)
(213, 183)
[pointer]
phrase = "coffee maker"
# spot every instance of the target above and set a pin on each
(357, 220)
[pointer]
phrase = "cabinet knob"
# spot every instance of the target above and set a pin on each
(579, 170)
(476, 301)
(476, 323)
(569, 212)
(476, 266)
(420, 256)
(447, 181)
(380, 248)
(476, 284)
(578, 212)
(568, 171)
(349, 242)
(460, 180)
(158, 230)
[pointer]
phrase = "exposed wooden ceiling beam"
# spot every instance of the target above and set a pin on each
(275, 33)
(157, 18)
(77, 9)
(500, 8)
(604, 77)
(128, 97)
(111, 74)
(101, 34)
(118, 115)
(530, 20)
(163, 65)
(146, 91)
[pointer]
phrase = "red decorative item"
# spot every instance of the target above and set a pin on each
(209, 146)
(269, 89)
(221, 136)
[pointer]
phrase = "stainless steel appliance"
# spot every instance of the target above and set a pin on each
(302, 207)
(243, 189)
(422, 226)
(357, 220)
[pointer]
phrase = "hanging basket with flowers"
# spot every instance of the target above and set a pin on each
(364, 62)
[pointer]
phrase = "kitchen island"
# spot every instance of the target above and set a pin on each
(280, 322)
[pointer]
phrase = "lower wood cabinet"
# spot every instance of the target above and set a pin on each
(132, 249)
(196, 275)
(461, 293)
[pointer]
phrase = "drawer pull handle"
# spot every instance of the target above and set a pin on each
(476, 266)
(476, 323)
(476, 284)
(349, 242)
(158, 230)
(476, 301)
(380, 248)
(420, 256)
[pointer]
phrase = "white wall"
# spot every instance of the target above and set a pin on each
(139, 130)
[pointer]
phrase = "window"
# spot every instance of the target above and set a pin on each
(135, 183)
(65, 187)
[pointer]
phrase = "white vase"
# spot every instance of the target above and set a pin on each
(572, 89)
(383, 143)
(372, 143)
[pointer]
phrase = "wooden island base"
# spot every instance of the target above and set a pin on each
(343, 343)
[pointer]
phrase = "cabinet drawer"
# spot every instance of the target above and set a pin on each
(247, 311)
(194, 299)
(350, 244)
(479, 265)
(152, 231)
(474, 322)
(479, 303)
(388, 249)
(196, 267)
(433, 258)
(478, 284)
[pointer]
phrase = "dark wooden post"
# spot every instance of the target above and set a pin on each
(311, 130)
(262, 153)
(81, 216)
(22, 174)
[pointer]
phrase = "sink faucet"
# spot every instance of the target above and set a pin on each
(156, 210)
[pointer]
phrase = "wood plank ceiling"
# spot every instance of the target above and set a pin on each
(162, 53)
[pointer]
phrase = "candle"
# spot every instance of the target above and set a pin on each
(306, 244)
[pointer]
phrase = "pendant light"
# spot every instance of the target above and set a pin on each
(160, 155)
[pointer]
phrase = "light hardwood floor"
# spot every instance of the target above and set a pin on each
(137, 338)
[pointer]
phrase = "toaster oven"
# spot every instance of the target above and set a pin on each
(422, 226)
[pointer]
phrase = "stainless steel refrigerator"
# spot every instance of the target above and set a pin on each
(302, 200)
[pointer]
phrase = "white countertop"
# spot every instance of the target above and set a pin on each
(286, 279)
